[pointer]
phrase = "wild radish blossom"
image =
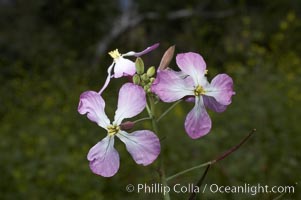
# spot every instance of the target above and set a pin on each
(143, 145)
(191, 83)
(123, 66)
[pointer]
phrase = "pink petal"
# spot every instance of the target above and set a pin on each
(190, 99)
(92, 103)
(144, 146)
(145, 51)
(124, 67)
(103, 157)
(198, 122)
(169, 86)
(221, 88)
(131, 102)
(192, 64)
(212, 104)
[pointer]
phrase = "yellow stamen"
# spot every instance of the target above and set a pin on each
(199, 90)
(115, 54)
(113, 129)
(206, 71)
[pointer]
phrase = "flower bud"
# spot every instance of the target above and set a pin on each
(139, 66)
(144, 77)
(127, 125)
(152, 80)
(146, 87)
(136, 79)
(151, 71)
(167, 57)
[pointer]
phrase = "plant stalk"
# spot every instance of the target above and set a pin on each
(169, 109)
(151, 113)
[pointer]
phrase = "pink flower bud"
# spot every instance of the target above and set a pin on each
(127, 125)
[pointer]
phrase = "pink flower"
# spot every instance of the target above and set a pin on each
(122, 66)
(191, 83)
(143, 145)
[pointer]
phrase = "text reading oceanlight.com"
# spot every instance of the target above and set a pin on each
(212, 188)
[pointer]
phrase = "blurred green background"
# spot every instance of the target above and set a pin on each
(53, 50)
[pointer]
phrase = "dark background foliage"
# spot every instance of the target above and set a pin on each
(51, 51)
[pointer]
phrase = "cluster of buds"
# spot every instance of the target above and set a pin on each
(142, 78)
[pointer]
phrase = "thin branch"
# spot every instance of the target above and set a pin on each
(227, 153)
(142, 119)
(219, 158)
(169, 109)
(188, 170)
(199, 183)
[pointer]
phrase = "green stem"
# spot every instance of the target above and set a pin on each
(169, 109)
(188, 170)
(151, 113)
(142, 119)
(163, 178)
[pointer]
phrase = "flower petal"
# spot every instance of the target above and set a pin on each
(169, 86)
(192, 64)
(124, 67)
(145, 51)
(221, 88)
(144, 145)
(103, 157)
(198, 122)
(212, 104)
(131, 102)
(92, 103)
(190, 99)
(107, 79)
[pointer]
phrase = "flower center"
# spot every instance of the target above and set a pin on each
(199, 90)
(115, 54)
(113, 129)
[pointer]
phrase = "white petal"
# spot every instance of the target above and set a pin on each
(124, 67)
(107, 79)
